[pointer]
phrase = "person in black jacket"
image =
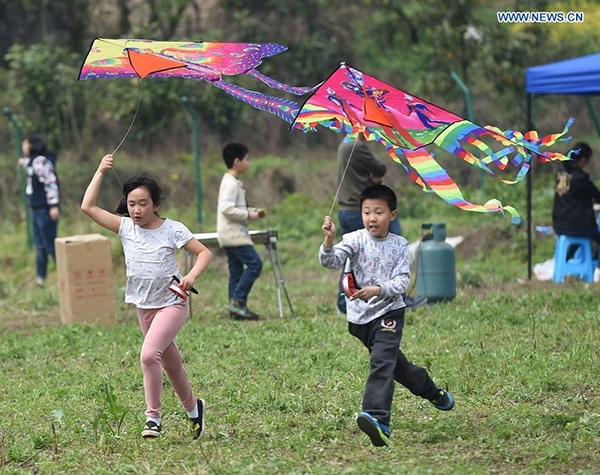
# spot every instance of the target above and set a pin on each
(44, 199)
(574, 197)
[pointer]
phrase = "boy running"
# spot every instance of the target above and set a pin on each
(375, 311)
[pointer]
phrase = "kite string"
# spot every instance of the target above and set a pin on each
(342, 179)
(129, 129)
(115, 172)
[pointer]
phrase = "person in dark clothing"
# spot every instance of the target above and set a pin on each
(574, 197)
(363, 170)
(575, 194)
(44, 199)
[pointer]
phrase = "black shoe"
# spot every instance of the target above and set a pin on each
(198, 422)
(237, 311)
(413, 302)
(253, 315)
(151, 430)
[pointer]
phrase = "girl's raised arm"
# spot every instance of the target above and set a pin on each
(107, 220)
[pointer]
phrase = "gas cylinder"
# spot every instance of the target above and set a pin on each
(436, 269)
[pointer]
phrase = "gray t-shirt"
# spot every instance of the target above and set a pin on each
(150, 261)
(375, 261)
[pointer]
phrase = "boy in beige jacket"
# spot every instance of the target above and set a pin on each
(233, 216)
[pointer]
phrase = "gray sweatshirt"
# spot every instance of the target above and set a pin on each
(375, 261)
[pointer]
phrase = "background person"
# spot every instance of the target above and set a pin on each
(233, 216)
(574, 197)
(364, 170)
(43, 195)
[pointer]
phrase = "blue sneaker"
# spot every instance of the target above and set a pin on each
(443, 400)
(378, 433)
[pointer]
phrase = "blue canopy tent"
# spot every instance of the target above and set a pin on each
(572, 76)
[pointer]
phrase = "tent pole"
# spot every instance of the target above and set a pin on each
(593, 115)
(529, 187)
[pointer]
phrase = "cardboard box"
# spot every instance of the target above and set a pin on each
(85, 279)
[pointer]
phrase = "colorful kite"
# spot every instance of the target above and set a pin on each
(348, 101)
(352, 102)
(120, 58)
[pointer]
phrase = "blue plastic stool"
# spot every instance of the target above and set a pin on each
(580, 265)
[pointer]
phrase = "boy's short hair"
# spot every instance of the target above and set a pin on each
(233, 151)
(379, 192)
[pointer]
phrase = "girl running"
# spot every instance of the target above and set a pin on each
(150, 244)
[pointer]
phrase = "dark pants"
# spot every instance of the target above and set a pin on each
(352, 221)
(44, 233)
(388, 364)
(245, 266)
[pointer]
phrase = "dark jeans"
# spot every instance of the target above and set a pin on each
(388, 364)
(44, 233)
(245, 265)
(352, 221)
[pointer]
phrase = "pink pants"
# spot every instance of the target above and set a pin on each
(160, 327)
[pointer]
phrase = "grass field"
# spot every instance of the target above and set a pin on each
(283, 393)
(521, 359)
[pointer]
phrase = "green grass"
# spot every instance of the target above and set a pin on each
(282, 393)
(521, 359)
